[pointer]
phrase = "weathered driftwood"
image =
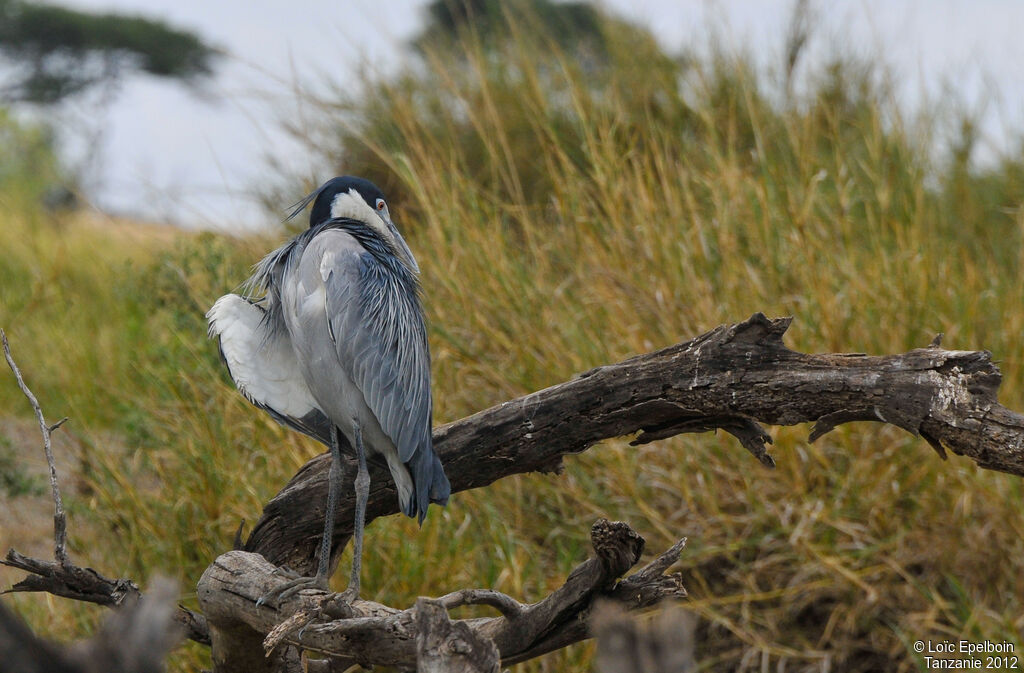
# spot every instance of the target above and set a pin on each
(134, 639)
(625, 644)
(443, 646)
(733, 378)
(372, 634)
(62, 577)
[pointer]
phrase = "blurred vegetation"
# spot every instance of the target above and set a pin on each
(577, 27)
(53, 52)
(29, 166)
(566, 217)
(14, 481)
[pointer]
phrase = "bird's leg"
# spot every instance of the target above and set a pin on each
(333, 492)
(321, 580)
(362, 489)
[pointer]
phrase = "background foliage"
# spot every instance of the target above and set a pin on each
(51, 52)
(570, 209)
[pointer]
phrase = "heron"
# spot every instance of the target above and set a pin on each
(328, 337)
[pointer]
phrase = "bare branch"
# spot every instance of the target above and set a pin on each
(735, 377)
(133, 640)
(60, 535)
(380, 635)
(443, 646)
(194, 624)
(627, 645)
(503, 603)
(70, 581)
(62, 577)
(88, 586)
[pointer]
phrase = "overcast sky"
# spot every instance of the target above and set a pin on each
(170, 155)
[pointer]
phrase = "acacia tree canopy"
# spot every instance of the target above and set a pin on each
(569, 22)
(55, 52)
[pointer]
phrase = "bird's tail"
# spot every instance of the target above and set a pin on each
(430, 484)
(440, 489)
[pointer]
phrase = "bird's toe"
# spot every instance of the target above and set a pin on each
(350, 595)
(286, 590)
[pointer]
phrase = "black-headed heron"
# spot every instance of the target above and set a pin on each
(328, 337)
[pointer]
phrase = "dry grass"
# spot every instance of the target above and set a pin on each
(563, 220)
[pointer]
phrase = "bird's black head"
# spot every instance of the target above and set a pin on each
(349, 198)
(323, 197)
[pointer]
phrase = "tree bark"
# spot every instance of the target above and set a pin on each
(443, 646)
(372, 634)
(626, 644)
(733, 378)
(134, 639)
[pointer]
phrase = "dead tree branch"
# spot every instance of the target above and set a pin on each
(70, 581)
(134, 639)
(627, 645)
(735, 378)
(61, 577)
(374, 634)
(443, 646)
(88, 586)
(60, 523)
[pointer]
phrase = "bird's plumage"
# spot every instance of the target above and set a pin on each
(263, 366)
(337, 336)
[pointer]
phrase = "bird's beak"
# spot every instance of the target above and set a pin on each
(403, 249)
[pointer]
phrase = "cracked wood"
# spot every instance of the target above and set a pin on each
(372, 634)
(734, 377)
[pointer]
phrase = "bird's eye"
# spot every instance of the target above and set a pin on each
(380, 204)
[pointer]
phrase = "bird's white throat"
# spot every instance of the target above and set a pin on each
(351, 205)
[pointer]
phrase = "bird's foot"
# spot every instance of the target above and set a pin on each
(283, 592)
(341, 605)
(350, 595)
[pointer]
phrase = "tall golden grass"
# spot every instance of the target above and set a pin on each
(565, 218)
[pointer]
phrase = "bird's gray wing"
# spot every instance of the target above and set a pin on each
(263, 366)
(377, 328)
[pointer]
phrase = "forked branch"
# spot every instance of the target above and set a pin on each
(61, 577)
(135, 639)
(372, 634)
(735, 377)
(60, 522)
